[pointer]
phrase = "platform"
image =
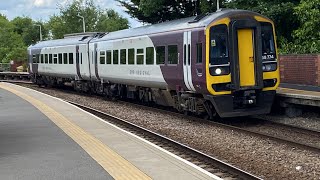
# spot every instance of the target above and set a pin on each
(299, 94)
(42, 137)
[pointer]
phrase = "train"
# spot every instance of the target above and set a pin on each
(219, 64)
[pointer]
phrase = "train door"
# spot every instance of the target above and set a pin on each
(82, 61)
(78, 62)
(246, 57)
(187, 75)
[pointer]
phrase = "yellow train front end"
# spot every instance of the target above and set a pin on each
(242, 68)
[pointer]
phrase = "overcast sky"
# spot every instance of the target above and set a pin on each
(43, 9)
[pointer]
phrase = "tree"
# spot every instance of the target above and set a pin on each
(96, 19)
(111, 21)
(29, 30)
(280, 11)
(152, 11)
(11, 43)
(307, 36)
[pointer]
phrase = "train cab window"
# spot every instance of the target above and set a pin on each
(123, 56)
(65, 58)
(131, 56)
(160, 52)
(172, 54)
(102, 57)
(70, 58)
(115, 56)
(60, 58)
(149, 55)
(219, 45)
(140, 56)
(268, 45)
(55, 58)
(108, 57)
(199, 52)
(50, 58)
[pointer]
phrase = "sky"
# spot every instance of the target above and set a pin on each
(43, 9)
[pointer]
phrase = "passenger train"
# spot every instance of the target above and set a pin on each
(224, 63)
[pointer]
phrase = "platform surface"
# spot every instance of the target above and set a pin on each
(296, 91)
(46, 138)
(33, 147)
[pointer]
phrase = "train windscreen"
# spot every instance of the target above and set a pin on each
(219, 45)
(268, 45)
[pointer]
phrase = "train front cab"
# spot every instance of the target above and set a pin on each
(242, 70)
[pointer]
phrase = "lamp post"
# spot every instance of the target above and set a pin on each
(83, 23)
(40, 31)
(218, 5)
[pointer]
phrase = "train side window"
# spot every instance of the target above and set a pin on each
(81, 58)
(140, 56)
(123, 56)
(108, 57)
(102, 57)
(42, 58)
(161, 52)
(131, 56)
(199, 52)
(172, 54)
(55, 58)
(149, 55)
(50, 58)
(37, 58)
(65, 58)
(60, 58)
(34, 59)
(46, 58)
(70, 58)
(115, 56)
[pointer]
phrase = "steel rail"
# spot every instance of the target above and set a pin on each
(205, 161)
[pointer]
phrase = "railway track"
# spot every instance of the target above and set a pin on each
(245, 126)
(252, 126)
(210, 164)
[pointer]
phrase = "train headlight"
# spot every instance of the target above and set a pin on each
(218, 71)
(269, 67)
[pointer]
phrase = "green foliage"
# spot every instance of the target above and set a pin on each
(29, 30)
(152, 11)
(307, 36)
(297, 22)
(280, 11)
(96, 19)
(12, 46)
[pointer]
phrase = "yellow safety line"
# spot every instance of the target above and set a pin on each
(114, 164)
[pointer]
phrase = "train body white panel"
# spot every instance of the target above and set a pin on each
(64, 70)
(147, 75)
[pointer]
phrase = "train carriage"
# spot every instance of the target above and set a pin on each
(222, 63)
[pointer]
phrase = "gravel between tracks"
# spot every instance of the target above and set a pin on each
(262, 157)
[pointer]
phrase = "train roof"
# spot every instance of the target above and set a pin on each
(70, 39)
(175, 25)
